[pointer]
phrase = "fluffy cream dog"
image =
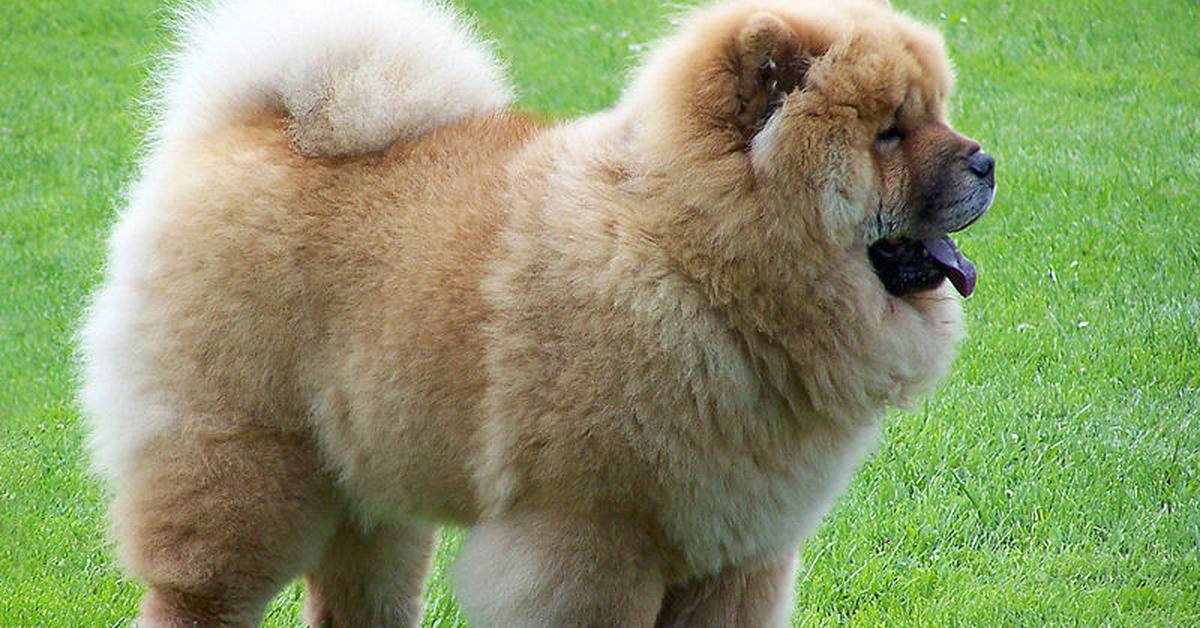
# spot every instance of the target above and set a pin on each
(354, 296)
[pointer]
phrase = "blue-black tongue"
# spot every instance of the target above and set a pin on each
(959, 270)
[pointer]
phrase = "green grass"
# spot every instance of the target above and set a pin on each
(1054, 480)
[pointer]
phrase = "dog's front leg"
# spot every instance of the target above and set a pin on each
(756, 595)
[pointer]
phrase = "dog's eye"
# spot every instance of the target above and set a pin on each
(890, 136)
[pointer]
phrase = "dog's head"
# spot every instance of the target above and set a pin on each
(830, 115)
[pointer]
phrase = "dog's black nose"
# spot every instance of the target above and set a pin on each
(981, 164)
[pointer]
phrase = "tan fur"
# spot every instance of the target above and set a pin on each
(639, 354)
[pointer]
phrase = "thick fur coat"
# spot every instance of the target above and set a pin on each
(355, 296)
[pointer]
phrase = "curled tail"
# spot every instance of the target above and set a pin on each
(353, 76)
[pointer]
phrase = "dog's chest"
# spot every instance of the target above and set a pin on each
(732, 509)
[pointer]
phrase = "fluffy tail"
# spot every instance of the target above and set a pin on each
(353, 76)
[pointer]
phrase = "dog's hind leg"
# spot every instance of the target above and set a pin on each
(371, 577)
(217, 520)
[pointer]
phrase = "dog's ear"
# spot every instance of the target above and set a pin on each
(768, 63)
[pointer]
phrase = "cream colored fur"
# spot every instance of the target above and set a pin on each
(354, 75)
(354, 297)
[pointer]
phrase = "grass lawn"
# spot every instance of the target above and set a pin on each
(1054, 480)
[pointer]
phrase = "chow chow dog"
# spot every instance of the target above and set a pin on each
(356, 295)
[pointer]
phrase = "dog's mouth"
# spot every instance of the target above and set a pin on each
(908, 266)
